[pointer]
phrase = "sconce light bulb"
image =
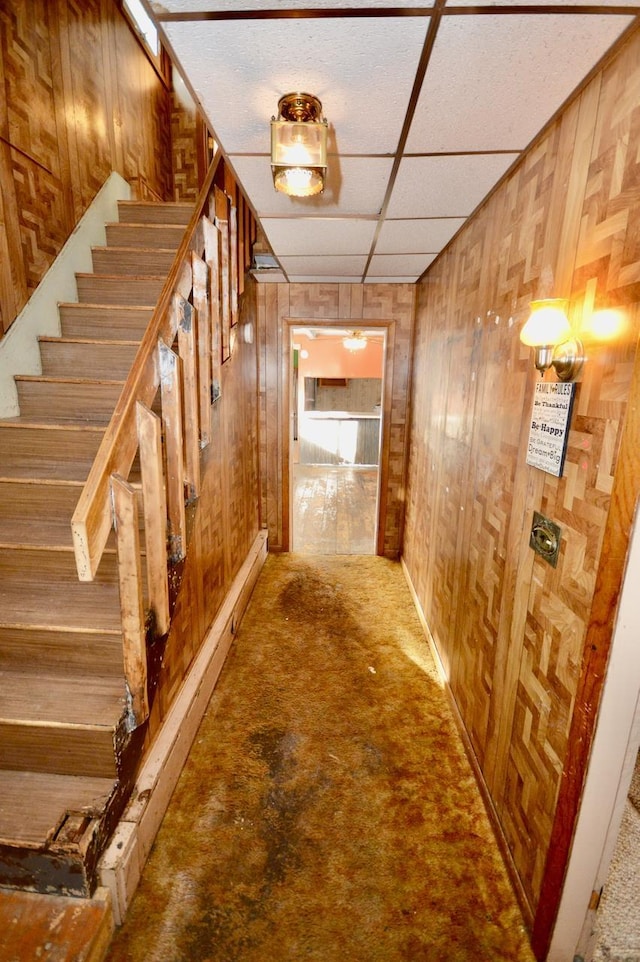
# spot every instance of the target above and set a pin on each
(548, 324)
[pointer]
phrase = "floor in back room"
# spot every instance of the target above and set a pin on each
(327, 810)
(334, 508)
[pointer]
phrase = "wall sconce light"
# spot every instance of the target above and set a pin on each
(355, 342)
(299, 146)
(549, 332)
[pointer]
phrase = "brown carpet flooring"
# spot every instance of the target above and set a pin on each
(327, 810)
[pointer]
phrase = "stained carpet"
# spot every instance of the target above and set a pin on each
(327, 810)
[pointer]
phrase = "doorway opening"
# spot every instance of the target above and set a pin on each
(337, 395)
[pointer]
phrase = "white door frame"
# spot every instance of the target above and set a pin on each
(615, 748)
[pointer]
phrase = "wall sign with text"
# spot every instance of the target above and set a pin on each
(549, 431)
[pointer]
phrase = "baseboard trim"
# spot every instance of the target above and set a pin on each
(490, 808)
(123, 860)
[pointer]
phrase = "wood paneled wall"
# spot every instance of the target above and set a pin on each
(78, 99)
(510, 629)
(226, 517)
(278, 303)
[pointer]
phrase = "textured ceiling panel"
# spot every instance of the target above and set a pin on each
(393, 264)
(493, 81)
(355, 186)
(201, 6)
(314, 279)
(319, 235)
(320, 266)
(445, 186)
(240, 70)
(417, 236)
(390, 280)
(546, 3)
(270, 277)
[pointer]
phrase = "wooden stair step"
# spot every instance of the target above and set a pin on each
(98, 360)
(78, 701)
(45, 650)
(80, 400)
(132, 260)
(33, 584)
(144, 235)
(53, 565)
(37, 513)
(117, 289)
(55, 928)
(33, 805)
(104, 321)
(68, 725)
(31, 449)
(154, 212)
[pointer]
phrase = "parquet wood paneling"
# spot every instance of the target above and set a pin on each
(373, 303)
(78, 99)
(185, 158)
(510, 629)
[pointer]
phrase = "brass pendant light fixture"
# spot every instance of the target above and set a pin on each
(299, 146)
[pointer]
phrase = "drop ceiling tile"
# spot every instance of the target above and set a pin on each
(391, 280)
(269, 277)
(494, 81)
(398, 265)
(191, 6)
(317, 266)
(326, 235)
(413, 236)
(445, 186)
(324, 279)
(240, 69)
(549, 3)
(354, 186)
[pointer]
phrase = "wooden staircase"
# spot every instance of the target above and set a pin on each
(66, 745)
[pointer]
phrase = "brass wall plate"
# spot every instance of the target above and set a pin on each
(545, 538)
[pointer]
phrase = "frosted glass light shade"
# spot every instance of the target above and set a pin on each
(548, 324)
(298, 181)
(299, 146)
(356, 342)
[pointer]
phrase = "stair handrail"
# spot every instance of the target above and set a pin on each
(92, 519)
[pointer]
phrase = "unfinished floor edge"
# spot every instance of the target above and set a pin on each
(123, 860)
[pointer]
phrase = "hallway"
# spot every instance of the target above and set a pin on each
(327, 810)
